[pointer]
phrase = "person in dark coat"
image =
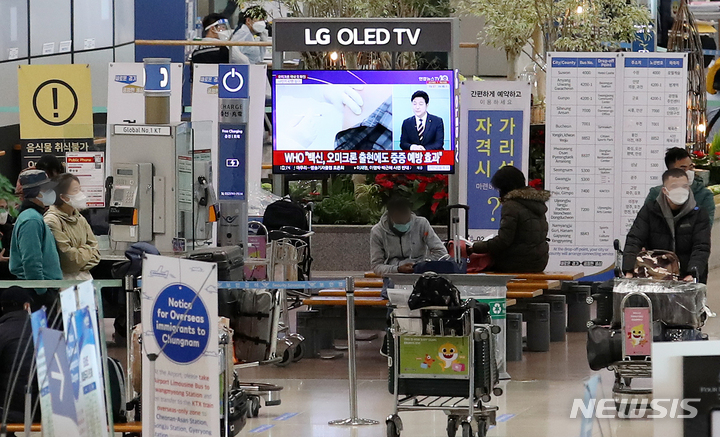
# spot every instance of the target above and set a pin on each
(15, 338)
(521, 243)
(674, 222)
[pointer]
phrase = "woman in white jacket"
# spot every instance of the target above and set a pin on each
(254, 28)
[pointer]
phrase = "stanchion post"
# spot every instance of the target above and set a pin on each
(353, 420)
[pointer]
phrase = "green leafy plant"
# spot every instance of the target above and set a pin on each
(590, 25)
(7, 192)
(509, 24)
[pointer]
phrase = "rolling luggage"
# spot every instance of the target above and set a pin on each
(252, 323)
(231, 267)
(229, 260)
(239, 405)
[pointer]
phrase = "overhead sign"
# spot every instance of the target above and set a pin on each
(398, 35)
(233, 81)
(495, 132)
(179, 313)
(55, 109)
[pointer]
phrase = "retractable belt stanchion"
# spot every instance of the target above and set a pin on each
(353, 420)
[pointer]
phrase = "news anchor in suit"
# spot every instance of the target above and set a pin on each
(422, 131)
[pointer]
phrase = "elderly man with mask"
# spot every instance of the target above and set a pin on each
(33, 253)
(401, 239)
(672, 221)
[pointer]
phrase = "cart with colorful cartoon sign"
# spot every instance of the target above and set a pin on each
(442, 359)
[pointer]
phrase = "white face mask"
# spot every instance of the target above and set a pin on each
(691, 175)
(3, 217)
(48, 197)
(678, 196)
(77, 201)
(259, 26)
(224, 35)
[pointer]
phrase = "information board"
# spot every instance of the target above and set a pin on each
(610, 117)
(494, 132)
(179, 313)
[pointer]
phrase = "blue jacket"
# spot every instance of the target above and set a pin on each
(433, 137)
(33, 254)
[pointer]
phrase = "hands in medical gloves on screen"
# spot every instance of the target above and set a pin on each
(300, 120)
(348, 95)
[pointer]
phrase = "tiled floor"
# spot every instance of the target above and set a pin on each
(537, 401)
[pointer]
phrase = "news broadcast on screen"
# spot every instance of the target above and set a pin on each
(364, 121)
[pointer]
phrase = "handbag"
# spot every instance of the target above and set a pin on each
(657, 264)
(604, 346)
(432, 289)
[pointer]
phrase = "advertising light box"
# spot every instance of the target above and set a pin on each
(344, 121)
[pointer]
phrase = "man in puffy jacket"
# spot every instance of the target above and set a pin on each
(678, 157)
(401, 239)
(673, 221)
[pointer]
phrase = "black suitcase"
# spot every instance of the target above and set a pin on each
(252, 323)
(229, 259)
(231, 267)
(239, 404)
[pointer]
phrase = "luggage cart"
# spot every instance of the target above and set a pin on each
(433, 369)
(648, 310)
(285, 255)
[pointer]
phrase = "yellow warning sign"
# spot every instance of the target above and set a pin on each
(55, 101)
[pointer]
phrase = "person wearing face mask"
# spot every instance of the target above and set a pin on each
(672, 221)
(401, 239)
(253, 28)
(215, 28)
(33, 253)
(75, 241)
(678, 157)
(7, 222)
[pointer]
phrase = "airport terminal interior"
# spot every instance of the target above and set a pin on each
(347, 218)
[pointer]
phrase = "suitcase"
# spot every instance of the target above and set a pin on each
(252, 323)
(229, 259)
(231, 267)
(239, 404)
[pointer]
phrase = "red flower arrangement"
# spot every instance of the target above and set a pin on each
(427, 193)
(536, 183)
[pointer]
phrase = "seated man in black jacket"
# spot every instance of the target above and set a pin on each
(673, 222)
(15, 338)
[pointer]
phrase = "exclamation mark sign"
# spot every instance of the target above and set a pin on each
(55, 102)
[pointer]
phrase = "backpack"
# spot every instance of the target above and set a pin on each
(657, 264)
(432, 289)
(285, 213)
(116, 378)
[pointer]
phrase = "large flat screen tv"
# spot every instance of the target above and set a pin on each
(340, 121)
